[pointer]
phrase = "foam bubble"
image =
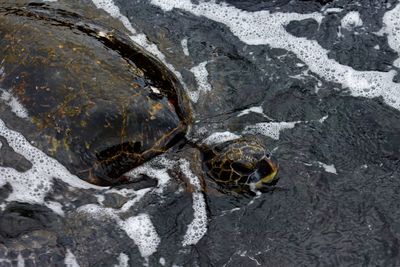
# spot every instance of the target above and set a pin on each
(185, 48)
(220, 137)
(33, 185)
(201, 75)
(70, 259)
(198, 227)
(270, 129)
(123, 260)
(263, 27)
(141, 230)
(16, 107)
(351, 20)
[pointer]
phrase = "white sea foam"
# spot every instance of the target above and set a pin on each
(20, 261)
(270, 129)
(70, 259)
(123, 260)
(328, 168)
(138, 196)
(141, 230)
(324, 118)
(162, 261)
(263, 27)
(139, 38)
(160, 173)
(201, 75)
(16, 107)
(333, 10)
(256, 109)
(185, 48)
(33, 185)
(351, 20)
(391, 21)
(220, 137)
(247, 111)
(198, 227)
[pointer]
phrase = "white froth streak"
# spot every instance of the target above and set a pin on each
(161, 174)
(33, 185)
(256, 109)
(123, 260)
(70, 259)
(270, 129)
(185, 48)
(220, 137)
(265, 28)
(20, 261)
(16, 107)
(201, 75)
(328, 168)
(141, 230)
(351, 20)
(138, 228)
(198, 227)
(141, 39)
(391, 21)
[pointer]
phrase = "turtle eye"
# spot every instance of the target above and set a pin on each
(243, 168)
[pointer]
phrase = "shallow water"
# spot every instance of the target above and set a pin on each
(316, 81)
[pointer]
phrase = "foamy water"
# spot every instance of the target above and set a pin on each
(16, 107)
(265, 28)
(256, 28)
(203, 86)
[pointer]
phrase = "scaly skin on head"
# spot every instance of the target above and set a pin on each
(241, 162)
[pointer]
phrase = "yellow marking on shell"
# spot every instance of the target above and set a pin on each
(155, 108)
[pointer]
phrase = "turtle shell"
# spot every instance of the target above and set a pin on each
(99, 103)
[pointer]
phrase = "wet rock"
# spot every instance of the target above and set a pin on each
(305, 28)
(18, 219)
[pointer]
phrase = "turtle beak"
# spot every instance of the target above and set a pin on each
(265, 173)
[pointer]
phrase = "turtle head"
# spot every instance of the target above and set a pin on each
(241, 162)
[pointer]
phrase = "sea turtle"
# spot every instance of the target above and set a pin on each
(102, 105)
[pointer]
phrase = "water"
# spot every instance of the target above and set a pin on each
(317, 81)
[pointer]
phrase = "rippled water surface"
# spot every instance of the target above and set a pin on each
(316, 81)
